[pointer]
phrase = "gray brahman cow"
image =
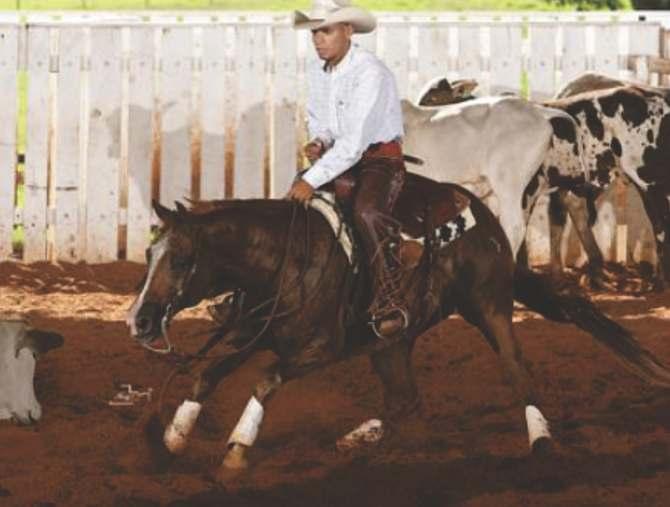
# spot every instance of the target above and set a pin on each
(20, 346)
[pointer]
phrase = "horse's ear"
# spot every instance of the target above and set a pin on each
(181, 209)
(166, 215)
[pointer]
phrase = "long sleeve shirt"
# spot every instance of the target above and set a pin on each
(349, 107)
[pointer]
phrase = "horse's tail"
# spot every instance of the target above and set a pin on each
(536, 292)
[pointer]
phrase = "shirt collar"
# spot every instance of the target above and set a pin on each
(344, 63)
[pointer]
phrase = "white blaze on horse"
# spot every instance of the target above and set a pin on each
(20, 346)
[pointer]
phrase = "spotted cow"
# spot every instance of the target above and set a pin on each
(627, 129)
(561, 168)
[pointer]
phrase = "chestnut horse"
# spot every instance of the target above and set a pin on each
(316, 312)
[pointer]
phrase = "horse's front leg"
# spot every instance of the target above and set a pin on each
(176, 434)
(245, 432)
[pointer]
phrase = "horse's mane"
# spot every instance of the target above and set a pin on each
(217, 208)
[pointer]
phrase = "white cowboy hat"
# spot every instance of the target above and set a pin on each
(329, 12)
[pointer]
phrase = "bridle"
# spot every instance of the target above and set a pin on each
(175, 300)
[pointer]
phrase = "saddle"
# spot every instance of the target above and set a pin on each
(422, 206)
(418, 197)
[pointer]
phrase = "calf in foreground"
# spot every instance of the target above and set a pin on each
(20, 346)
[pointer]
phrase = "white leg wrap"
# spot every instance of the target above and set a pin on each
(246, 431)
(538, 427)
(176, 434)
(370, 432)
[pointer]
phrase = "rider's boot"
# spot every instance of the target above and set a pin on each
(389, 311)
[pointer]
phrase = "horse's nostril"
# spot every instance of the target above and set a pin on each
(143, 324)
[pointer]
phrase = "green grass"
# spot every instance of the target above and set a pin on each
(285, 5)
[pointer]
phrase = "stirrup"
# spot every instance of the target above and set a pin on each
(401, 311)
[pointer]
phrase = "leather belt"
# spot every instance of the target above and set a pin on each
(392, 150)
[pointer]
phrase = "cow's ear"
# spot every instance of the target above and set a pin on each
(166, 215)
(39, 342)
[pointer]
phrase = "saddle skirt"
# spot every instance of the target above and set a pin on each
(423, 207)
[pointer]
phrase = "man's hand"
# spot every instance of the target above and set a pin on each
(313, 150)
(301, 191)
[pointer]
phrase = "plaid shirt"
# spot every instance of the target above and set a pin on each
(350, 107)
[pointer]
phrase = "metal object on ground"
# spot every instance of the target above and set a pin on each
(127, 396)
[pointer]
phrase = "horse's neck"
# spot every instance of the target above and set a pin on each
(248, 246)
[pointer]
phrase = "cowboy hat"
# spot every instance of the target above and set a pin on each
(329, 12)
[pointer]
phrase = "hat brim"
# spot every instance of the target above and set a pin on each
(361, 20)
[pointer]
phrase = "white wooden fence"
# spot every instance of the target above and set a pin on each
(124, 107)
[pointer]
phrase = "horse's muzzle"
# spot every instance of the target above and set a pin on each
(148, 322)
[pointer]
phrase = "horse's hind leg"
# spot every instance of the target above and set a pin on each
(393, 365)
(495, 322)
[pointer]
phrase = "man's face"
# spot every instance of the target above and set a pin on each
(332, 42)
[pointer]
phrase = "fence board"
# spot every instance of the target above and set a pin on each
(433, 54)
(644, 41)
(140, 137)
(250, 135)
(37, 146)
(66, 164)
(573, 60)
(606, 50)
(212, 113)
(542, 71)
(469, 62)
(505, 51)
(9, 42)
(396, 55)
(283, 158)
(175, 139)
(104, 146)
(235, 114)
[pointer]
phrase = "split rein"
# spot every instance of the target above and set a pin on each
(184, 358)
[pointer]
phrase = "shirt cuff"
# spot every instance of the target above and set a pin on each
(315, 176)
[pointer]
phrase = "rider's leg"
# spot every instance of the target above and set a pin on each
(379, 184)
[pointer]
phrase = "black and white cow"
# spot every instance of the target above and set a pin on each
(628, 129)
(20, 346)
(560, 167)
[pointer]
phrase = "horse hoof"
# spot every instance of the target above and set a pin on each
(175, 441)
(542, 447)
(370, 432)
(159, 457)
(234, 458)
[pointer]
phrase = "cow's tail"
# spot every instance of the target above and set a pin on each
(536, 292)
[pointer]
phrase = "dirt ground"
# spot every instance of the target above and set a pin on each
(466, 446)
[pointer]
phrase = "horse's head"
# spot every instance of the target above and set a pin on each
(173, 270)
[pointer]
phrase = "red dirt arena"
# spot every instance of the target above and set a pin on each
(466, 446)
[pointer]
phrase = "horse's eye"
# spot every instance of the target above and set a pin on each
(180, 263)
